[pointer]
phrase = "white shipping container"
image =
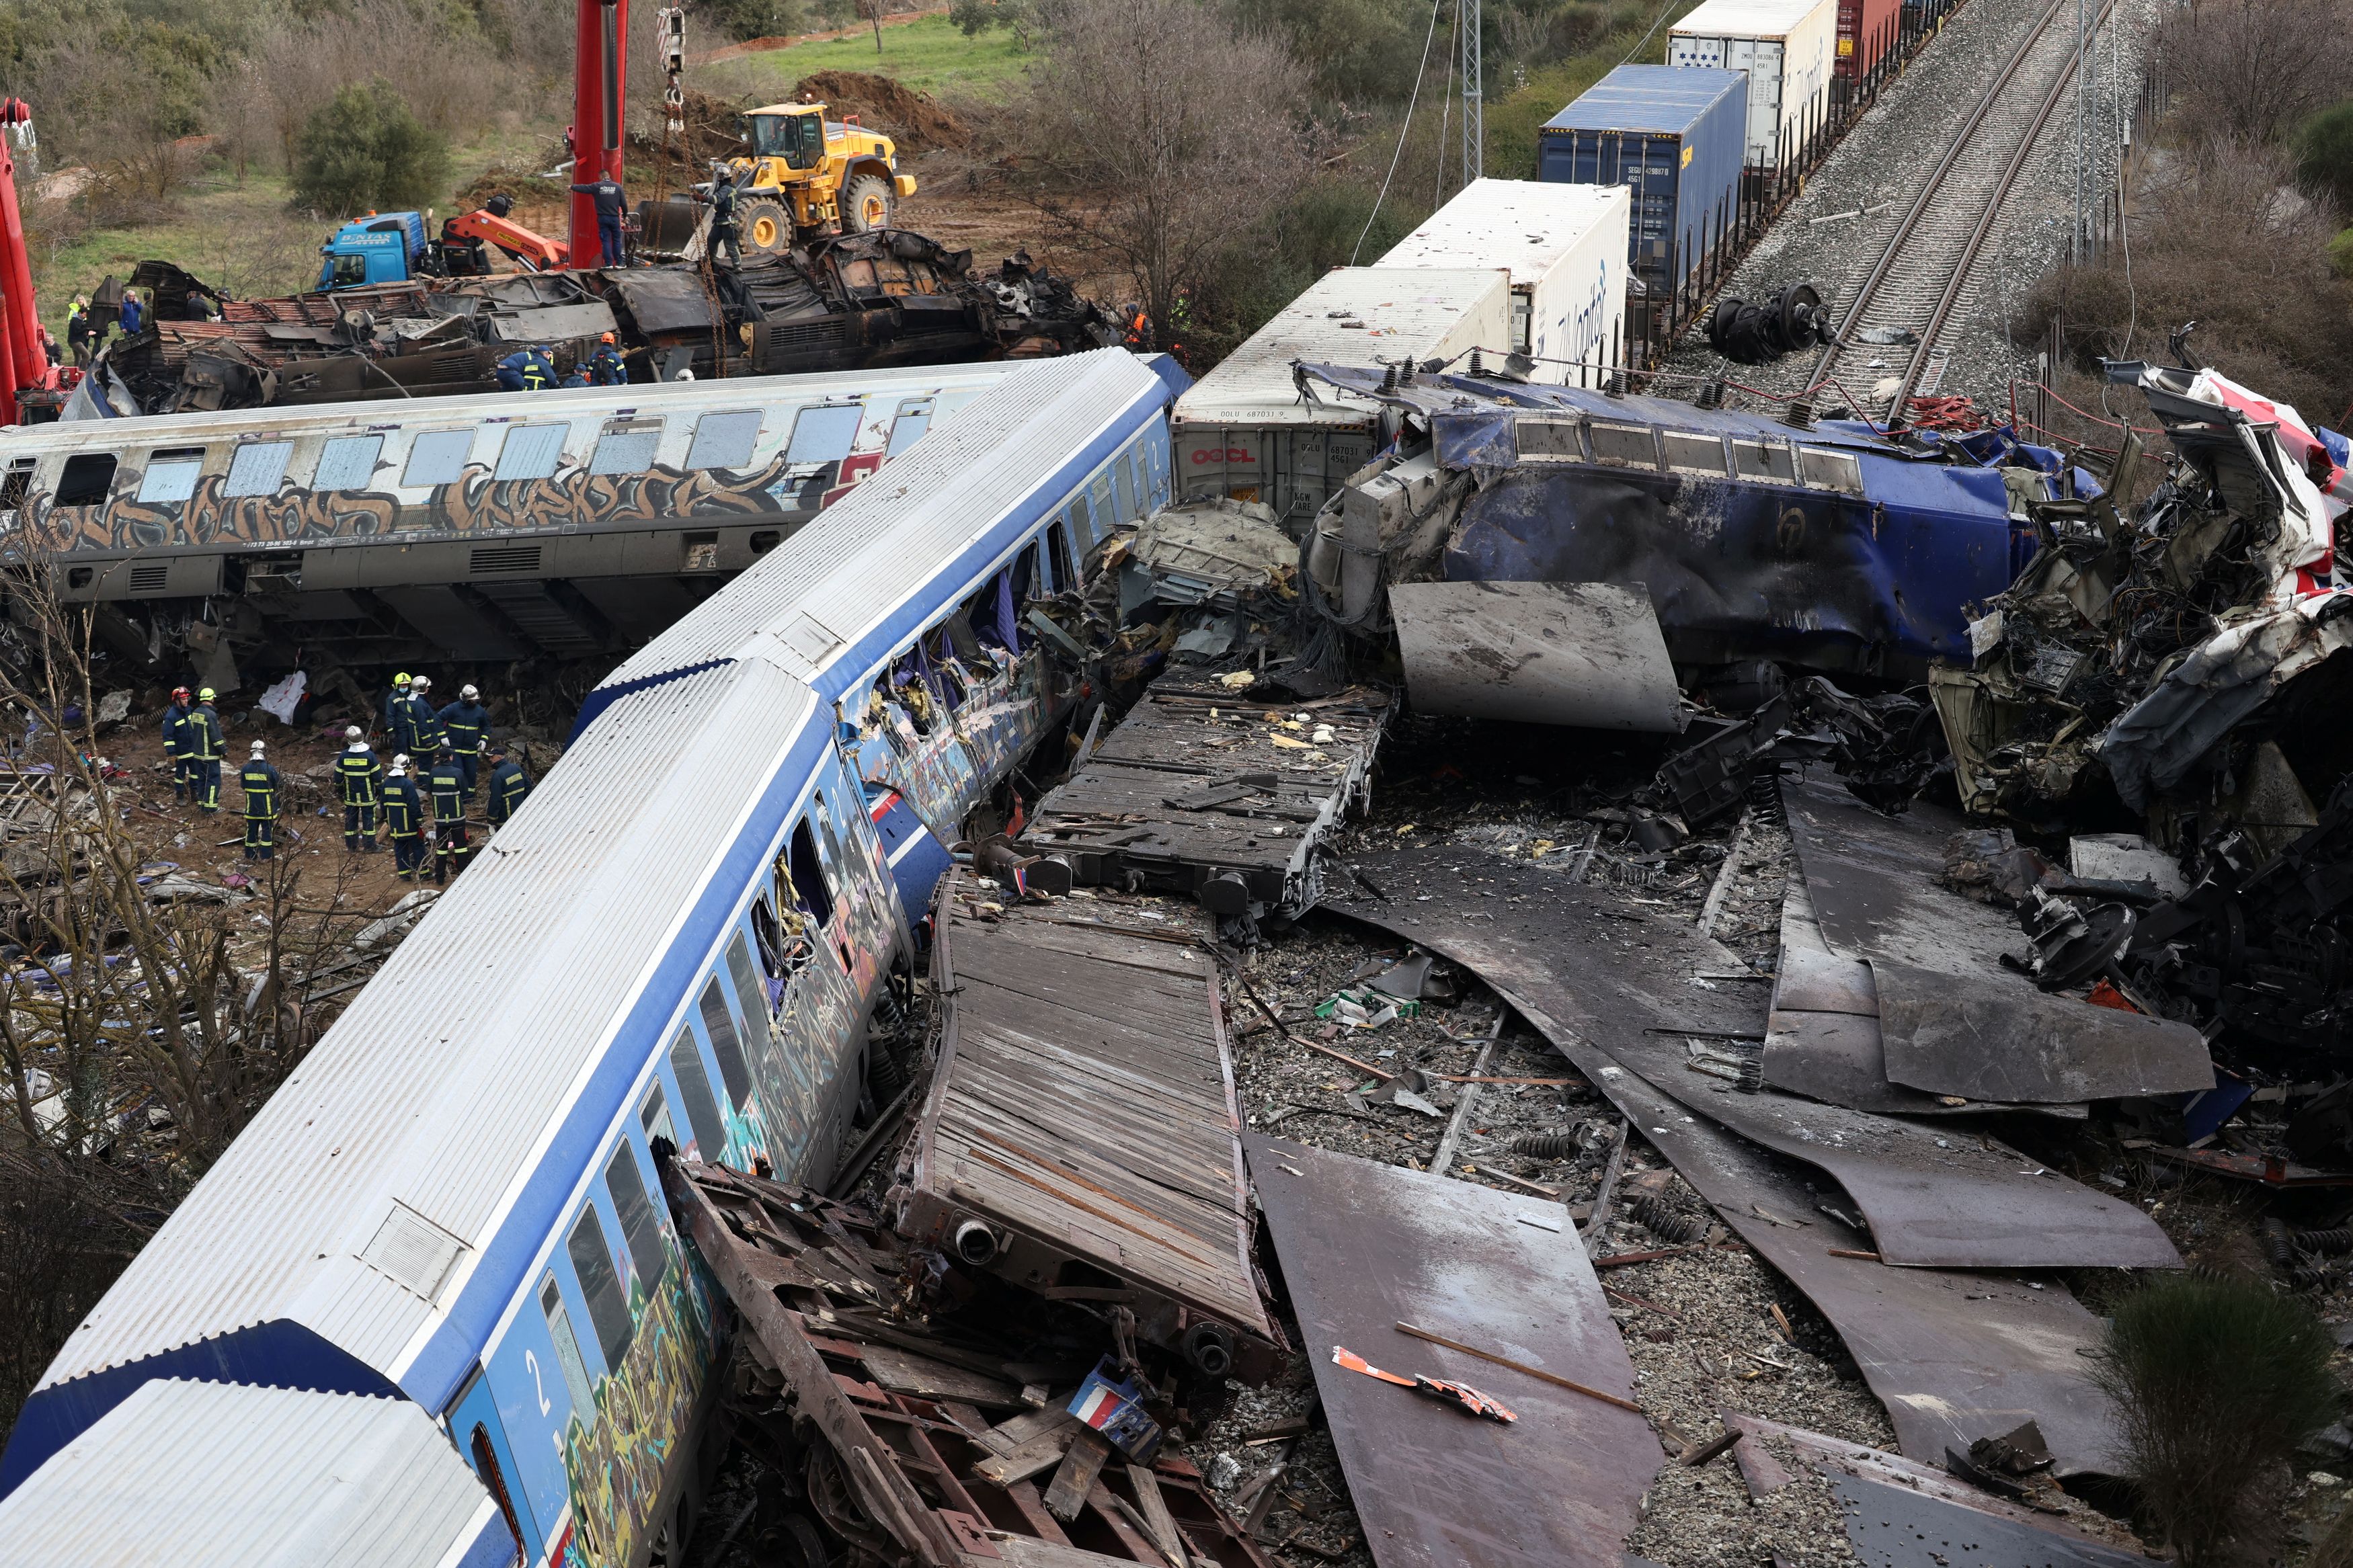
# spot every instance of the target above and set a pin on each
(1565, 247)
(1243, 429)
(1787, 48)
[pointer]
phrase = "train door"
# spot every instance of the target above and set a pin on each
(481, 1437)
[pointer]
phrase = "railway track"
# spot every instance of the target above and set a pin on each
(1925, 266)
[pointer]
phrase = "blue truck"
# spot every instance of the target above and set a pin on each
(382, 248)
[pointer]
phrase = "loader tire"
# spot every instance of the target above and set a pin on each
(866, 203)
(764, 227)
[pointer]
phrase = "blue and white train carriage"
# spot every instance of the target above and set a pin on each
(442, 1243)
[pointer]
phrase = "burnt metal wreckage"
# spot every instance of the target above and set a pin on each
(888, 297)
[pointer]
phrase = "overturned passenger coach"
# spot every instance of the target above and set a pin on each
(506, 526)
(1831, 546)
(430, 1309)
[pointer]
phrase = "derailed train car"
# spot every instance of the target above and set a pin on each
(440, 1246)
(1832, 547)
(557, 524)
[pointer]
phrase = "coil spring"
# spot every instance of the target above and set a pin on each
(2278, 1248)
(1764, 797)
(1670, 1225)
(2327, 1243)
(2313, 1276)
(1547, 1145)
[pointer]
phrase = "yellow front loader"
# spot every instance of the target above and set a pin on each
(808, 175)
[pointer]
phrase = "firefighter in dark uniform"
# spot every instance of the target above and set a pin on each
(509, 786)
(359, 779)
(404, 819)
(259, 782)
(175, 739)
(396, 705)
(423, 736)
(463, 724)
(606, 367)
(446, 784)
(203, 748)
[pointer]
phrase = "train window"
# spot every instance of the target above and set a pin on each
(609, 1310)
(567, 1350)
(694, 1094)
(751, 990)
(627, 1186)
(1025, 573)
(824, 434)
(1764, 460)
(1832, 470)
(438, 457)
(725, 1043)
(17, 484)
(914, 417)
(256, 467)
(1058, 540)
(1625, 444)
(626, 448)
(725, 440)
(1550, 439)
(347, 463)
(653, 1118)
(808, 875)
(1107, 515)
(1693, 454)
(87, 479)
(530, 452)
(171, 476)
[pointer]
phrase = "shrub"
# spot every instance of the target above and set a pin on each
(2325, 154)
(367, 149)
(2215, 1381)
(744, 19)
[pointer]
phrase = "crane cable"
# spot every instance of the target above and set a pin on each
(1409, 102)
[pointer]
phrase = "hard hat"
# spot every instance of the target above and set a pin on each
(606, 338)
(424, 681)
(399, 762)
(400, 679)
(351, 731)
(258, 748)
(179, 694)
(206, 695)
(468, 692)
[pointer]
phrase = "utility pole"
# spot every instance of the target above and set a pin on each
(2089, 137)
(1474, 93)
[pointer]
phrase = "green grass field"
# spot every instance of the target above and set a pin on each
(929, 54)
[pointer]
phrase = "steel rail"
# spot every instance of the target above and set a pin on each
(1895, 256)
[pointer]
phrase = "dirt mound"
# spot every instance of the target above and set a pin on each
(916, 120)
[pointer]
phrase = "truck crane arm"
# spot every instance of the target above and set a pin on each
(535, 251)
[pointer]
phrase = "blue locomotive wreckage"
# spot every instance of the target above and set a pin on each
(1831, 547)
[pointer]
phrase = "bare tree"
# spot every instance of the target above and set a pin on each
(2252, 70)
(1159, 134)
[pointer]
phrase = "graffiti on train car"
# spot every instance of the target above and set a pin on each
(945, 762)
(615, 1466)
(475, 502)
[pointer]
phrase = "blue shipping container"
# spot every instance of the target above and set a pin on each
(1675, 135)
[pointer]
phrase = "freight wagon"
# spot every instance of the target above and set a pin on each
(1566, 249)
(1243, 429)
(1673, 138)
(1784, 47)
(1868, 31)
